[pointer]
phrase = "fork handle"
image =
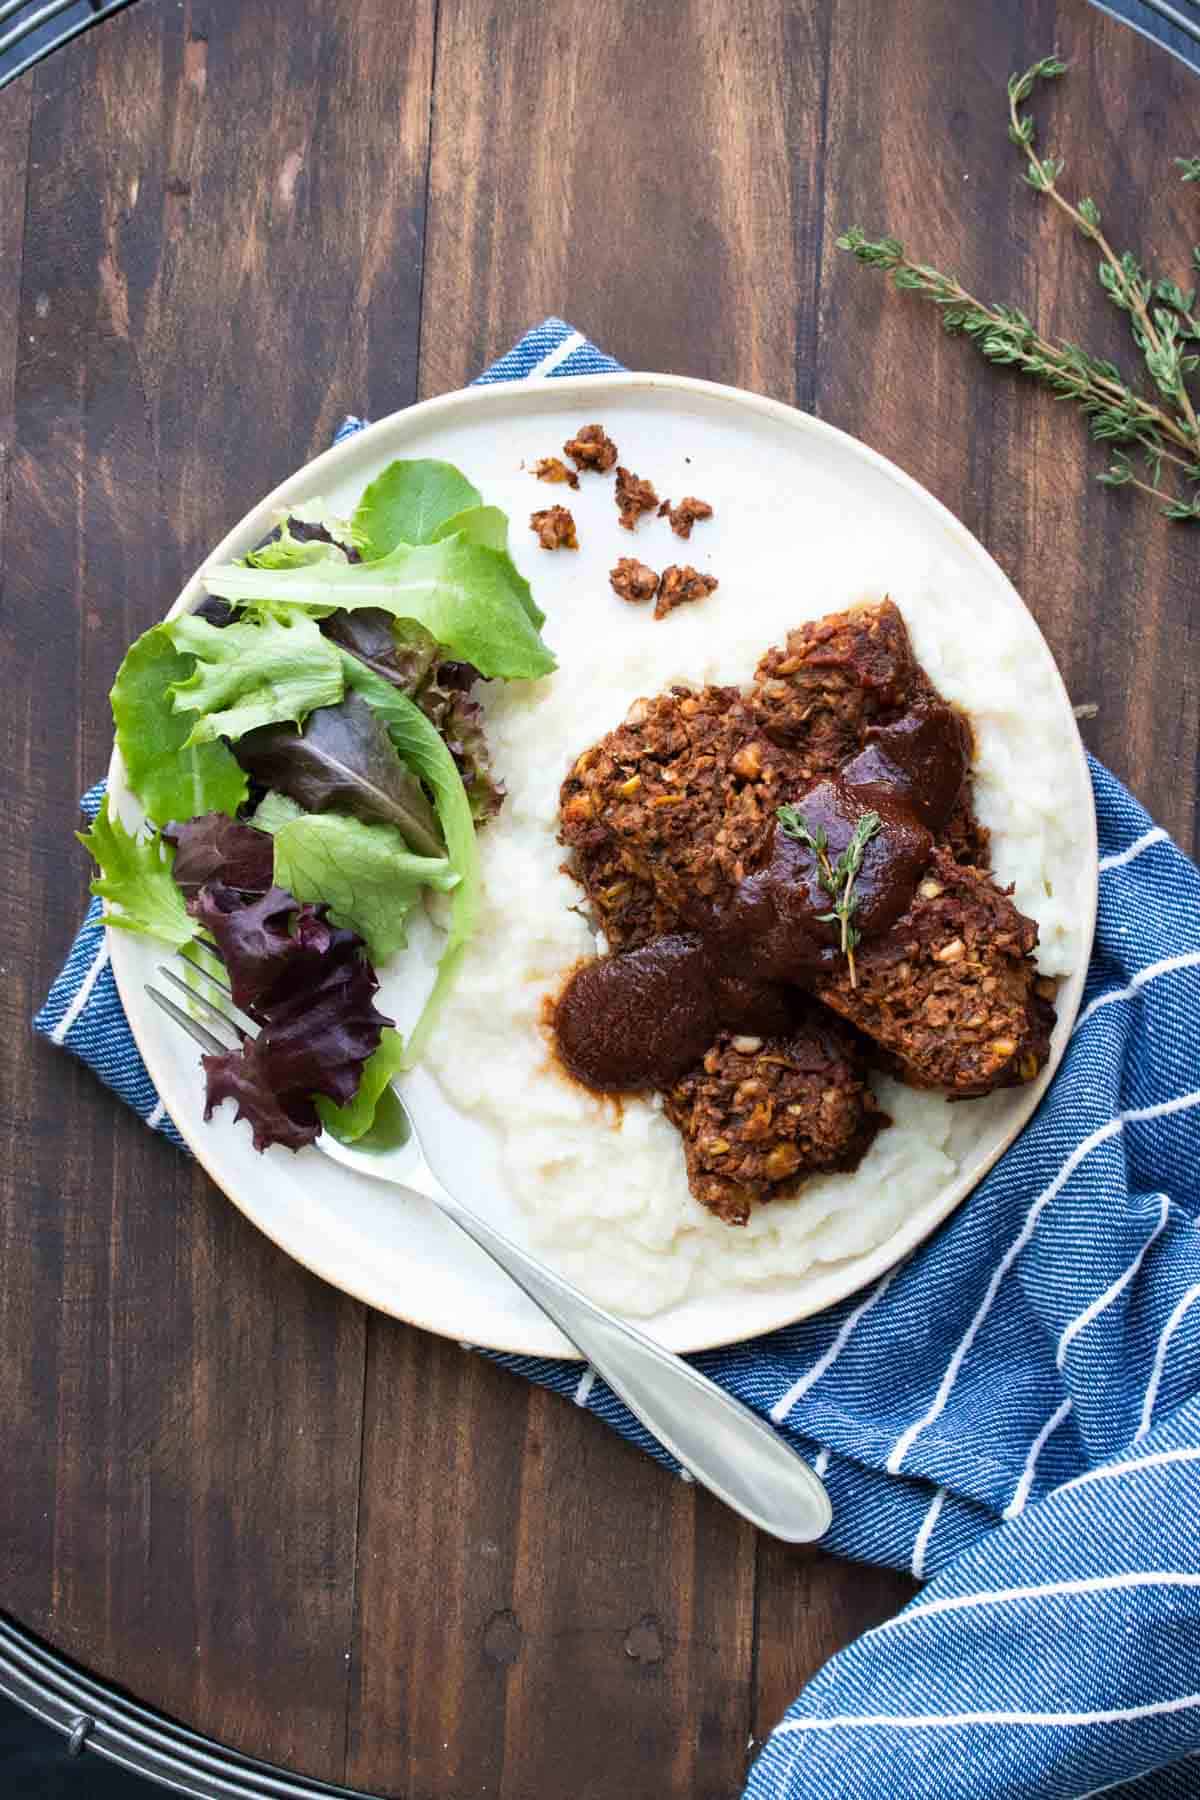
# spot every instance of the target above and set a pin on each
(725, 1446)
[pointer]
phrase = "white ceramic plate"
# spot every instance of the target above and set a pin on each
(388, 1247)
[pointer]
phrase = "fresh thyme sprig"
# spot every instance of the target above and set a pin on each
(1162, 319)
(837, 878)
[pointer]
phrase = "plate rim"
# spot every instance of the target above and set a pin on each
(847, 1276)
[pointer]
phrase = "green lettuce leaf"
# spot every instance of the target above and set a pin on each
(485, 525)
(135, 874)
(364, 1116)
(274, 811)
(365, 874)
(259, 671)
(173, 779)
(289, 552)
(419, 746)
(407, 503)
(488, 526)
(390, 1127)
(468, 597)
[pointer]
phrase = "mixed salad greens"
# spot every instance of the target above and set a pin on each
(311, 762)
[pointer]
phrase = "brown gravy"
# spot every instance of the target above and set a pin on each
(643, 1018)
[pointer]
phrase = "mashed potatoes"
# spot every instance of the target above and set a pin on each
(603, 1188)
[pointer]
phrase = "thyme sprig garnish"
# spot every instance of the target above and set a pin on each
(837, 878)
(1162, 318)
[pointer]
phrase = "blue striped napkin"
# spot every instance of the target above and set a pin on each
(1013, 1414)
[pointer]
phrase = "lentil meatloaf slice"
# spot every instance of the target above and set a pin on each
(831, 680)
(951, 994)
(669, 811)
(665, 813)
(759, 1115)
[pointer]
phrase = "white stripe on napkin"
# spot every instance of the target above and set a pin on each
(783, 1407)
(1113, 1716)
(1187, 959)
(556, 356)
(926, 1532)
(1156, 835)
(80, 998)
(1160, 1358)
(1046, 1590)
(1084, 1319)
(908, 1437)
(1159, 1459)
(1016, 1505)
(1137, 1115)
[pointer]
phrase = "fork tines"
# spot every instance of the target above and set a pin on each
(215, 1013)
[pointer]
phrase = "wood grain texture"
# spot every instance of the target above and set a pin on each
(15, 109)
(557, 184)
(809, 1607)
(324, 1537)
(182, 1406)
(577, 1606)
(1108, 580)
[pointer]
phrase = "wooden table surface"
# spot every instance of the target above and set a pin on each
(326, 1538)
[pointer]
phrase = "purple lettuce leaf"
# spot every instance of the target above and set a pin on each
(402, 655)
(240, 1075)
(214, 611)
(316, 1040)
(309, 988)
(459, 720)
(214, 847)
(309, 531)
(266, 940)
(344, 761)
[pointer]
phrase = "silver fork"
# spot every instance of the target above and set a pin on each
(725, 1446)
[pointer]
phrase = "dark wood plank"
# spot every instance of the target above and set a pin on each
(1129, 595)
(15, 109)
(222, 254)
(541, 1610)
(1107, 578)
(555, 186)
(809, 1607)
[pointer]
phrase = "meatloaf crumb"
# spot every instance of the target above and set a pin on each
(680, 585)
(590, 448)
(759, 1115)
(633, 581)
(688, 512)
(552, 468)
(634, 497)
(951, 994)
(555, 529)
